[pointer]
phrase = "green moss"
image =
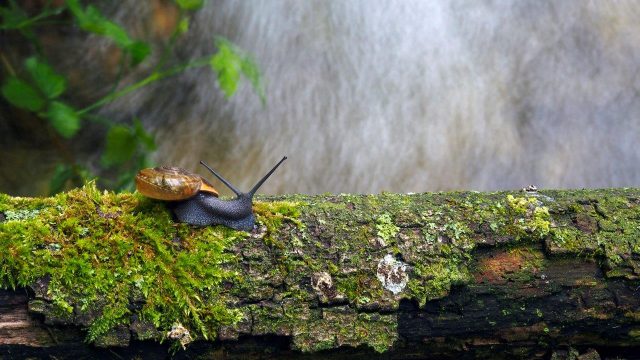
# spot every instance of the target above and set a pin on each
(360, 288)
(100, 248)
(526, 218)
(279, 209)
(318, 332)
(273, 214)
(433, 280)
(386, 229)
(111, 258)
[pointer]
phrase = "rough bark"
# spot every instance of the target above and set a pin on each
(446, 275)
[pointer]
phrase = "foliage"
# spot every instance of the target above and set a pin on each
(38, 88)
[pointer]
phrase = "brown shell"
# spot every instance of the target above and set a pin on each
(171, 183)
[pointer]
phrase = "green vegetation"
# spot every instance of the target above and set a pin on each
(34, 86)
(101, 251)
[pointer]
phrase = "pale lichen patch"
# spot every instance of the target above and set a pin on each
(180, 333)
(23, 214)
(322, 283)
(392, 274)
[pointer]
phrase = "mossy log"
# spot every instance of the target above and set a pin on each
(447, 275)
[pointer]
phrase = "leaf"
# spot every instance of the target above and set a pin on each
(76, 10)
(22, 95)
(92, 20)
(251, 71)
(63, 118)
(121, 145)
(183, 26)
(145, 138)
(12, 17)
(113, 31)
(126, 181)
(227, 63)
(48, 81)
(139, 51)
(61, 175)
(230, 63)
(190, 4)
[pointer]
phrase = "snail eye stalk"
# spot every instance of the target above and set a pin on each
(236, 191)
(257, 186)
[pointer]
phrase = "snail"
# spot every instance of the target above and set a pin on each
(194, 201)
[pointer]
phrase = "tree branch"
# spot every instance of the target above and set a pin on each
(428, 274)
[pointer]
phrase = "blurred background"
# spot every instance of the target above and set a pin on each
(363, 96)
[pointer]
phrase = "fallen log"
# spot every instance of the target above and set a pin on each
(530, 274)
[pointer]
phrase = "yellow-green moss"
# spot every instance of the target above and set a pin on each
(100, 249)
(386, 229)
(433, 280)
(526, 217)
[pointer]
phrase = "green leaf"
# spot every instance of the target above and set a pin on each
(22, 95)
(121, 145)
(190, 4)
(116, 33)
(48, 81)
(61, 175)
(125, 182)
(76, 10)
(230, 63)
(139, 51)
(227, 63)
(63, 118)
(145, 138)
(251, 71)
(12, 17)
(183, 26)
(92, 20)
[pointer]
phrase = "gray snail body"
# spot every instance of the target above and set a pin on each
(204, 208)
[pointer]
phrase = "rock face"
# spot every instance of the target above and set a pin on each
(525, 274)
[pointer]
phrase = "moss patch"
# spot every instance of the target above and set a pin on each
(103, 253)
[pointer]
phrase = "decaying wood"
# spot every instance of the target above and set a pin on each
(360, 264)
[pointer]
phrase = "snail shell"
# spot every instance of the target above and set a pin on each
(171, 183)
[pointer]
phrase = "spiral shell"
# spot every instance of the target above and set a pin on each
(171, 183)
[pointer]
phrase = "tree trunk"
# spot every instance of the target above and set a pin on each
(446, 275)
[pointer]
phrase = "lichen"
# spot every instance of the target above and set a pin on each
(392, 274)
(18, 215)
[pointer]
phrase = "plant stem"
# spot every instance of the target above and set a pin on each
(47, 12)
(155, 76)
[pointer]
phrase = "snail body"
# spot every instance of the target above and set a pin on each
(202, 207)
(205, 209)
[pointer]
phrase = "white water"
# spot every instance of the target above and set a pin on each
(410, 96)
